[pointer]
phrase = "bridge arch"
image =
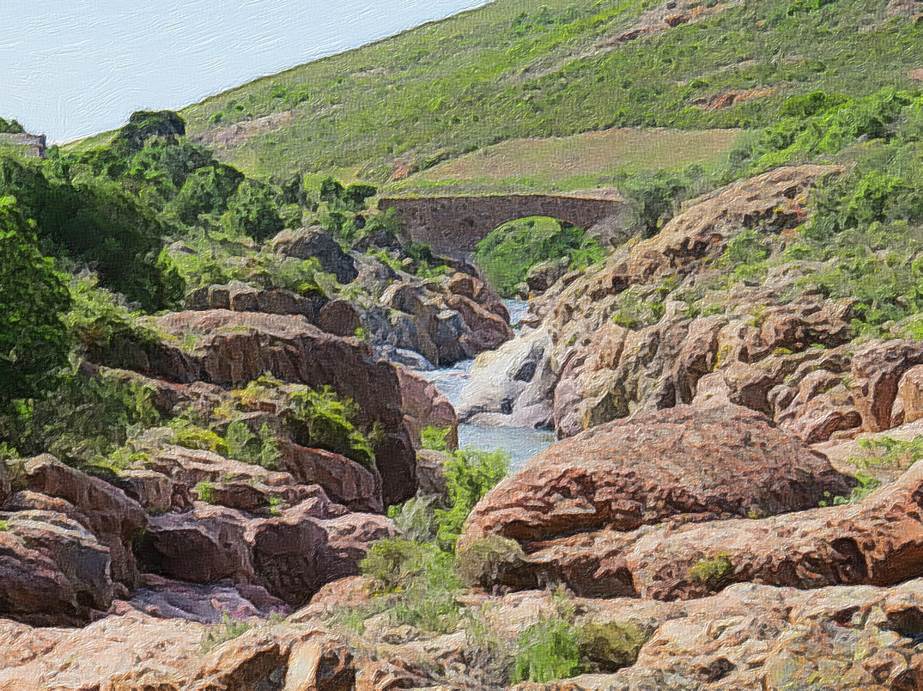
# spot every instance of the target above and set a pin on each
(453, 226)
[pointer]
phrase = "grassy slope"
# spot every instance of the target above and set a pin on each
(485, 76)
(580, 161)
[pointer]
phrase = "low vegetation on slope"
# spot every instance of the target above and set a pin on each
(577, 162)
(555, 68)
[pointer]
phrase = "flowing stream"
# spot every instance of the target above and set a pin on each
(521, 443)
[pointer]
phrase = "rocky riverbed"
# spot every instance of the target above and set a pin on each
(728, 504)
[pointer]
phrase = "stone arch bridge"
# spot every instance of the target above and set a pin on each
(453, 226)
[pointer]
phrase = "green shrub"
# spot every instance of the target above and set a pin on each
(243, 445)
(190, 435)
(95, 221)
(253, 211)
(507, 253)
(331, 423)
(546, 651)
(636, 308)
(435, 438)
(887, 452)
(415, 519)
(484, 562)
(712, 572)
(205, 491)
(866, 485)
(82, 419)
(4, 526)
(606, 648)
(469, 476)
(103, 325)
(227, 630)
(422, 580)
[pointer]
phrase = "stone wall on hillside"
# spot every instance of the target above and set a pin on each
(454, 225)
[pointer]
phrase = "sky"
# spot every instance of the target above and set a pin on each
(70, 68)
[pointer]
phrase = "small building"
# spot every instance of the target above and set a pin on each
(31, 144)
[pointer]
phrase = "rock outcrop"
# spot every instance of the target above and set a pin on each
(315, 243)
(233, 348)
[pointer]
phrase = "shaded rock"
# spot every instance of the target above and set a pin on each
(910, 393)
(430, 473)
(545, 274)
(315, 242)
(206, 604)
(340, 318)
(53, 571)
(204, 545)
(114, 519)
(241, 297)
(876, 372)
(344, 480)
(424, 407)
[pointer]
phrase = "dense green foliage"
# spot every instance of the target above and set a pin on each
(507, 253)
(469, 476)
(10, 127)
(34, 341)
(547, 650)
(94, 221)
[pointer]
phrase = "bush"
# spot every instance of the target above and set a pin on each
(205, 491)
(469, 476)
(415, 519)
(606, 648)
(253, 211)
(330, 423)
(866, 484)
(547, 650)
(10, 127)
(712, 572)
(435, 438)
(192, 436)
(82, 420)
(34, 341)
(207, 191)
(261, 449)
(484, 562)
(507, 253)
(422, 578)
(94, 221)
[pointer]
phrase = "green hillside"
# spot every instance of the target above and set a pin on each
(561, 68)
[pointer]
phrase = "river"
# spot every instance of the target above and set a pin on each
(521, 443)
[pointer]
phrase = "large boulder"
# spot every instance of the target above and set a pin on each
(877, 542)
(315, 242)
(345, 481)
(512, 385)
(686, 462)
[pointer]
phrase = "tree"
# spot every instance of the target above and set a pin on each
(206, 191)
(253, 211)
(34, 342)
